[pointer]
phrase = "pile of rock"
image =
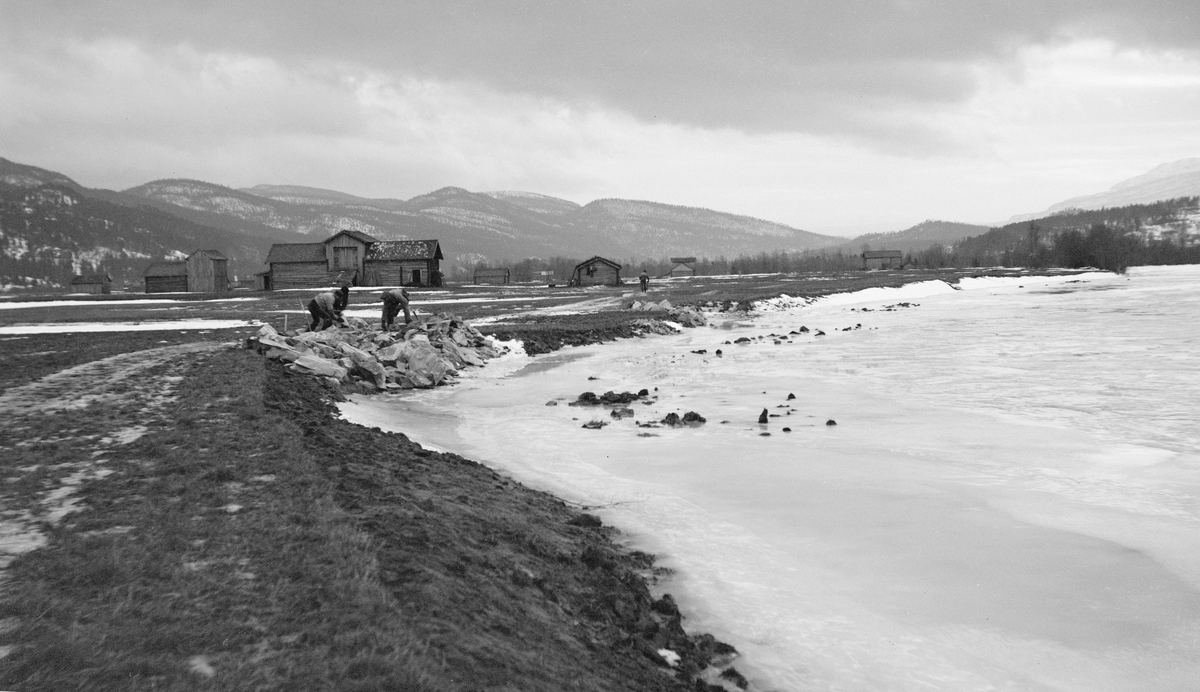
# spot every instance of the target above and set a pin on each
(684, 315)
(420, 355)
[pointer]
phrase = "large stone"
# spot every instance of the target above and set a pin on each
(427, 363)
(320, 367)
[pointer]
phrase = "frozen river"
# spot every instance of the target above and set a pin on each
(1010, 499)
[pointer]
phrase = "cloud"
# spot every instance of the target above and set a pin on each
(858, 69)
(843, 118)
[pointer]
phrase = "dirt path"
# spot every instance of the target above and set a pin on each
(51, 447)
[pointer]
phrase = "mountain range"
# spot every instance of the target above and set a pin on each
(1169, 181)
(51, 227)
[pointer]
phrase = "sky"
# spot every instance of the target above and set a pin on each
(833, 116)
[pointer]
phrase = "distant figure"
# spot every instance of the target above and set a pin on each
(645, 279)
(326, 308)
(394, 301)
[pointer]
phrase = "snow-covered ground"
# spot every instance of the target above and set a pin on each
(151, 326)
(1010, 499)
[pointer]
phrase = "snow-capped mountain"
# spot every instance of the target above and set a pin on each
(1170, 180)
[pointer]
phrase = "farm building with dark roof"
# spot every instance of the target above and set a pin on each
(596, 271)
(882, 259)
(204, 271)
(91, 283)
(353, 257)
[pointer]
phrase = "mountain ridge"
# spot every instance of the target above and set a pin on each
(1166, 181)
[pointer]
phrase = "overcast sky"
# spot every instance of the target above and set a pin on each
(835, 116)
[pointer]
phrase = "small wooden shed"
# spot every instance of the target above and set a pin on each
(683, 266)
(167, 277)
(493, 276)
(91, 283)
(207, 272)
(882, 259)
(596, 271)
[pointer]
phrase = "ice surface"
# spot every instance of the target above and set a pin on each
(1009, 499)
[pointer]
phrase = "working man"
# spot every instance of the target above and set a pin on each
(645, 279)
(326, 308)
(394, 301)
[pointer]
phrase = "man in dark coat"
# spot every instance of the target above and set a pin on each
(326, 308)
(394, 301)
(645, 280)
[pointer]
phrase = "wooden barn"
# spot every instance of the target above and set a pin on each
(351, 257)
(882, 259)
(207, 272)
(404, 263)
(683, 266)
(91, 283)
(493, 276)
(166, 277)
(596, 271)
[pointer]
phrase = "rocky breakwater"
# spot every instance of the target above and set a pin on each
(423, 354)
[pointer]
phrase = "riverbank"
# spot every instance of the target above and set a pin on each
(202, 521)
(183, 516)
(1007, 499)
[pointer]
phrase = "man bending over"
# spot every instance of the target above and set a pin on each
(394, 301)
(326, 308)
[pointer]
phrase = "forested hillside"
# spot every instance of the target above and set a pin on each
(51, 231)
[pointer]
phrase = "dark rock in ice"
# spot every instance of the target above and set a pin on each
(803, 329)
(552, 403)
(701, 351)
(735, 677)
(595, 424)
(614, 398)
(693, 418)
(586, 399)
(762, 417)
(590, 377)
(787, 429)
(620, 413)
(672, 419)
(791, 396)
(819, 333)
(764, 434)
(643, 392)
(718, 351)
(742, 340)
(831, 422)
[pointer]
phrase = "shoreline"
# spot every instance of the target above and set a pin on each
(187, 674)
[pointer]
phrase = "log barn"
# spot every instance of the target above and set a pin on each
(207, 272)
(882, 259)
(166, 277)
(404, 263)
(493, 276)
(91, 283)
(204, 271)
(355, 258)
(596, 271)
(683, 266)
